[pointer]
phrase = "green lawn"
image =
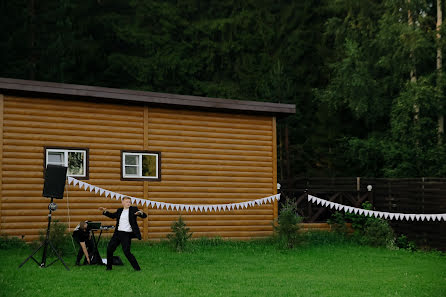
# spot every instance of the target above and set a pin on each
(235, 269)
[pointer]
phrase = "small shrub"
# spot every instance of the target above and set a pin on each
(180, 235)
(7, 242)
(367, 230)
(338, 223)
(377, 232)
(403, 242)
(288, 226)
(58, 236)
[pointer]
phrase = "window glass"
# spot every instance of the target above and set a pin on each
(76, 163)
(149, 165)
(56, 158)
(131, 170)
(73, 159)
(143, 165)
(131, 159)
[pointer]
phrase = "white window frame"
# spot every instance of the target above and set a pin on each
(139, 175)
(65, 161)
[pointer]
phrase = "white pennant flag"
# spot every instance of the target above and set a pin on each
(101, 191)
(412, 217)
(361, 211)
(75, 182)
(391, 216)
(181, 207)
(323, 202)
(158, 205)
(152, 203)
(70, 180)
(113, 195)
(186, 207)
(108, 193)
(96, 190)
(428, 218)
(81, 184)
(200, 207)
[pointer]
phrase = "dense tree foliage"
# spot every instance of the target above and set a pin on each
(362, 73)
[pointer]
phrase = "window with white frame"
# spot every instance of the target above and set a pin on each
(141, 165)
(74, 159)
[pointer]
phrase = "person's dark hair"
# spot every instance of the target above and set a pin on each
(126, 197)
(83, 224)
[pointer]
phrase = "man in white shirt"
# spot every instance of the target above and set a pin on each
(126, 229)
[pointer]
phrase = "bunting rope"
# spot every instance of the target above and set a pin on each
(172, 206)
(377, 214)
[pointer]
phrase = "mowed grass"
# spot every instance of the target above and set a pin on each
(220, 268)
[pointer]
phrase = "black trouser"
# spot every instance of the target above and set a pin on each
(80, 253)
(125, 239)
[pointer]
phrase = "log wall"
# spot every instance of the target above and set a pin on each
(205, 158)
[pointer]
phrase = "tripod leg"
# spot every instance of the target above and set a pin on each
(58, 256)
(31, 256)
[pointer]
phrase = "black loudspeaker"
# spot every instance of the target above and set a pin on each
(54, 184)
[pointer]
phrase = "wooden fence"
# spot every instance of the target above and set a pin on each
(412, 195)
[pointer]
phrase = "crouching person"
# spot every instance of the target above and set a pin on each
(82, 236)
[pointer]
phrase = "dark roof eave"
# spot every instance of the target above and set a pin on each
(50, 88)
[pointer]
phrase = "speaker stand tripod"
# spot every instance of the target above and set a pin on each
(52, 206)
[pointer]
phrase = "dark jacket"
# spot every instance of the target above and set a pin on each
(132, 219)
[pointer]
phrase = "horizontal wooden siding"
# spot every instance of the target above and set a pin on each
(207, 158)
(30, 124)
(212, 158)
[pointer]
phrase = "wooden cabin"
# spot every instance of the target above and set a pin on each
(201, 151)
